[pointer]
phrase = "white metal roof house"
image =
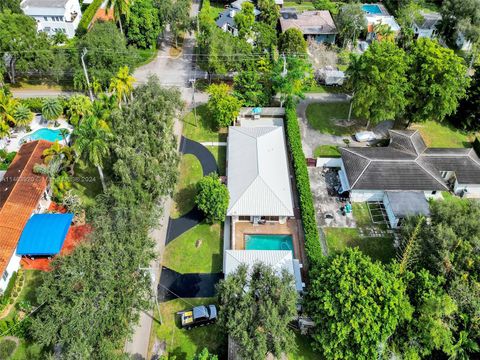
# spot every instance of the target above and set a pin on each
(226, 19)
(279, 260)
(258, 177)
(427, 27)
(407, 164)
(54, 15)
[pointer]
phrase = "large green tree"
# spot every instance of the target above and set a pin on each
(351, 22)
(244, 20)
(467, 115)
(356, 305)
(256, 306)
(269, 12)
(212, 198)
(222, 105)
(438, 81)
(180, 21)
(121, 8)
(251, 87)
(291, 42)
(461, 17)
(142, 27)
(379, 81)
(292, 76)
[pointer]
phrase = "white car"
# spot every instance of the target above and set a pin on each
(364, 136)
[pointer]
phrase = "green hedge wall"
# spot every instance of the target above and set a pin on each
(312, 241)
(87, 16)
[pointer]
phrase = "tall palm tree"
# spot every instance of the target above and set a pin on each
(91, 143)
(103, 106)
(51, 109)
(57, 151)
(122, 84)
(8, 105)
(23, 116)
(78, 106)
(120, 8)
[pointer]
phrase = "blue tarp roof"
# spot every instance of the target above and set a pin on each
(44, 234)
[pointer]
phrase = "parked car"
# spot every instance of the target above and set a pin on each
(363, 136)
(199, 316)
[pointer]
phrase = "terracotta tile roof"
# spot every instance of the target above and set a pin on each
(102, 15)
(20, 191)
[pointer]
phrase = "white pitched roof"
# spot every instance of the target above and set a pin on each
(258, 178)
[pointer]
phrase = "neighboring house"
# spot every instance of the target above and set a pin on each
(427, 27)
(407, 165)
(377, 14)
(462, 43)
(226, 20)
(54, 15)
(22, 193)
(317, 25)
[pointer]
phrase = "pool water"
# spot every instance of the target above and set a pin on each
(372, 9)
(45, 134)
(268, 242)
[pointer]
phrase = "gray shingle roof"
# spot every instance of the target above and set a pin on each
(407, 164)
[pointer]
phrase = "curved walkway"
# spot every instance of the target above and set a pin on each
(177, 227)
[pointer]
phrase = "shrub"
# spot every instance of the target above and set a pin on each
(88, 16)
(8, 291)
(312, 241)
(212, 198)
(34, 104)
(7, 347)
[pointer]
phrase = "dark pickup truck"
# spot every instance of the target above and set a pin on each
(199, 316)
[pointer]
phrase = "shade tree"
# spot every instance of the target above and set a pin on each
(142, 27)
(212, 198)
(351, 22)
(222, 106)
(291, 42)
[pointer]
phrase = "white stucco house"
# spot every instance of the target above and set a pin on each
(54, 16)
(408, 169)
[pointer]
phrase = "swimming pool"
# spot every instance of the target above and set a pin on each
(45, 134)
(372, 9)
(268, 242)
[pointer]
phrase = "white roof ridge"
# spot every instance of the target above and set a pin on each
(274, 194)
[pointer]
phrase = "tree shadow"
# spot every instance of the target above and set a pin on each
(185, 199)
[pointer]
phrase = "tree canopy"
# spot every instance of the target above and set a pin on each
(351, 21)
(256, 306)
(222, 105)
(467, 116)
(291, 42)
(356, 305)
(143, 24)
(212, 198)
(461, 17)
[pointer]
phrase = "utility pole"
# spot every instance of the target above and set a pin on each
(84, 52)
(193, 81)
(351, 106)
(151, 271)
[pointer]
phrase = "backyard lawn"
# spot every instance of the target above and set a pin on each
(324, 117)
(443, 135)
(182, 343)
(199, 250)
(299, 5)
(378, 248)
(87, 183)
(326, 151)
(319, 88)
(203, 129)
(220, 154)
(190, 173)
(304, 349)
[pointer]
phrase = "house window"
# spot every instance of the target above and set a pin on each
(244, 218)
(434, 192)
(5, 275)
(45, 18)
(270, 218)
(444, 174)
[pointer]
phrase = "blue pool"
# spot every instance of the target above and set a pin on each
(45, 134)
(268, 242)
(372, 9)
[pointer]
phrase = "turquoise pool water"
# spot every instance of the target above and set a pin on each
(268, 242)
(45, 134)
(372, 9)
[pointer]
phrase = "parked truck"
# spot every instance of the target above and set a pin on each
(199, 316)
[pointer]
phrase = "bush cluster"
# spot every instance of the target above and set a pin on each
(8, 291)
(35, 104)
(312, 241)
(87, 16)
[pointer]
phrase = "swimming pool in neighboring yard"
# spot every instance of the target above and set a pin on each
(268, 242)
(45, 134)
(372, 9)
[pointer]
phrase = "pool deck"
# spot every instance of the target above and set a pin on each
(243, 228)
(36, 124)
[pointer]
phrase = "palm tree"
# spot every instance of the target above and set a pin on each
(120, 7)
(8, 105)
(64, 132)
(51, 109)
(57, 151)
(4, 129)
(91, 143)
(23, 116)
(384, 31)
(60, 181)
(122, 84)
(103, 106)
(78, 106)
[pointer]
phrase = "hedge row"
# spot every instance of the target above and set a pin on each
(312, 241)
(8, 291)
(87, 16)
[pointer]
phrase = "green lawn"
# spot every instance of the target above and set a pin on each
(144, 56)
(378, 248)
(199, 250)
(326, 151)
(326, 89)
(324, 118)
(220, 154)
(443, 135)
(305, 5)
(87, 183)
(361, 214)
(190, 174)
(216, 9)
(33, 280)
(182, 343)
(304, 349)
(203, 129)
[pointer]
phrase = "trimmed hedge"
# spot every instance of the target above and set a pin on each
(87, 16)
(312, 240)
